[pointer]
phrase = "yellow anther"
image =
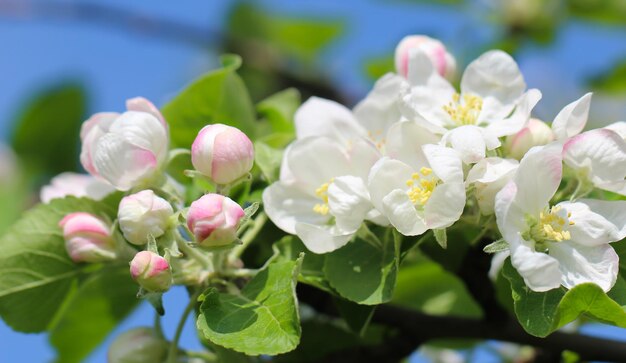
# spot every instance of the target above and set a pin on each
(425, 171)
(551, 226)
(322, 193)
(409, 183)
(415, 176)
(421, 188)
(465, 111)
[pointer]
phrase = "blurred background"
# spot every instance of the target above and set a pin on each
(64, 60)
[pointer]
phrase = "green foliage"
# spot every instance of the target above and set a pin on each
(311, 271)
(219, 96)
(268, 159)
(37, 273)
(279, 109)
(262, 319)
(425, 286)
(378, 66)
(541, 313)
(47, 131)
(613, 81)
(364, 271)
(96, 308)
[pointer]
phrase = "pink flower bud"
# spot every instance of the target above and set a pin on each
(126, 150)
(78, 185)
(442, 60)
(141, 214)
(535, 133)
(214, 219)
(139, 345)
(223, 153)
(87, 238)
(151, 271)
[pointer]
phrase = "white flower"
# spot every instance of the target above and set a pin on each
(443, 61)
(126, 150)
(421, 189)
(489, 176)
(572, 119)
(325, 199)
(78, 185)
(566, 244)
(619, 127)
(491, 103)
(536, 133)
(599, 156)
(142, 214)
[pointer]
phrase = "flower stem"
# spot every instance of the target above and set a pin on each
(248, 237)
(173, 351)
(193, 253)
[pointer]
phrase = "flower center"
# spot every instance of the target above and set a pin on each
(552, 225)
(377, 138)
(322, 193)
(464, 111)
(421, 187)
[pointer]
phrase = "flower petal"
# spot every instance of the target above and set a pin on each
(590, 228)
(520, 116)
(572, 118)
(445, 162)
(509, 217)
(143, 105)
(445, 205)
(539, 270)
(489, 176)
(468, 141)
(580, 264)
(349, 202)
(385, 176)
(321, 239)
(405, 140)
(402, 213)
(321, 117)
(619, 127)
(612, 211)
(379, 109)
(287, 205)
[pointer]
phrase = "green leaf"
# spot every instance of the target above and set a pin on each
(441, 237)
(279, 110)
(364, 272)
(356, 316)
(496, 246)
(47, 132)
(379, 66)
(268, 160)
(312, 269)
(36, 272)
(425, 286)
(262, 319)
(219, 96)
(611, 81)
(541, 313)
(96, 308)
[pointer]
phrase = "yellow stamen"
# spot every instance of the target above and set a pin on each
(551, 226)
(322, 193)
(466, 111)
(421, 188)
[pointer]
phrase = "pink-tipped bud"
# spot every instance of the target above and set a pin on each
(222, 153)
(214, 219)
(87, 238)
(151, 271)
(535, 133)
(435, 50)
(139, 345)
(142, 214)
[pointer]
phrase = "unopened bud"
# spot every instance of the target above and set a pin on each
(139, 345)
(87, 238)
(435, 50)
(151, 271)
(535, 133)
(142, 214)
(222, 153)
(214, 219)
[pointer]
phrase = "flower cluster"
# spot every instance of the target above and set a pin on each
(417, 155)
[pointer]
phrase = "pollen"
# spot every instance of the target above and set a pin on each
(421, 187)
(465, 110)
(322, 193)
(552, 225)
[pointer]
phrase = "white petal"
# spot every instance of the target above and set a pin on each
(601, 155)
(362, 155)
(385, 176)
(445, 205)
(405, 140)
(580, 264)
(572, 118)
(539, 270)
(349, 202)
(590, 228)
(423, 75)
(489, 176)
(619, 127)
(520, 116)
(612, 211)
(379, 109)
(495, 77)
(321, 117)
(402, 214)
(143, 105)
(321, 239)
(468, 141)
(142, 130)
(444, 162)
(538, 177)
(286, 205)
(509, 217)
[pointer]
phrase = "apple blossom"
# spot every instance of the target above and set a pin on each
(492, 102)
(214, 219)
(420, 189)
(600, 157)
(127, 149)
(325, 199)
(142, 214)
(151, 271)
(87, 238)
(138, 345)
(572, 119)
(619, 127)
(443, 61)
(489, 176)
(222, 153)
(565, 244)
(536, 133)
(78, 185)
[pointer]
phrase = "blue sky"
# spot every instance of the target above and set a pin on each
(115, 65)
